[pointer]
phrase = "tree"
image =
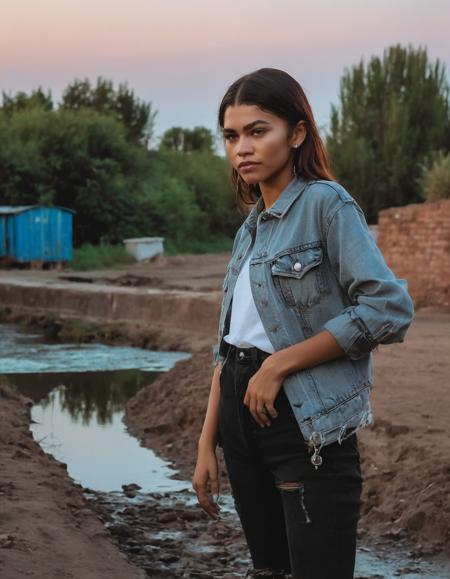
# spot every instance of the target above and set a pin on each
(81, 160)
(21, 101)
(181, 140)
(207, 176)
(137, 116)
(393, 114)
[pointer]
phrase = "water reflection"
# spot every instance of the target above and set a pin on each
(80, 393)
(84, 395)
(99, 452)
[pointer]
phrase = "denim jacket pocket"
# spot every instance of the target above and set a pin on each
(298, 278)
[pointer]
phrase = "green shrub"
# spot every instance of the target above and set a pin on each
(436, 179)
(90, 257)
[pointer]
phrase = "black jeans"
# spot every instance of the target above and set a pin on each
(307, 528)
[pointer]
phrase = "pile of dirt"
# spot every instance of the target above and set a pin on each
(404, 454)
(47, 528)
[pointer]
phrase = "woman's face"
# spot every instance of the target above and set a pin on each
(254, 136)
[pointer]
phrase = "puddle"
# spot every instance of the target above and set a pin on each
(80, 392)
(94, 443)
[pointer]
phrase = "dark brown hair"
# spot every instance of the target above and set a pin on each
(275, 91)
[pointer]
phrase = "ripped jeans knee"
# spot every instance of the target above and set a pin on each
(297, 490)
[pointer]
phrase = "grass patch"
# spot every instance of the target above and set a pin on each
(90, 257)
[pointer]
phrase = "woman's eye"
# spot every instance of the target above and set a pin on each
(254, 131)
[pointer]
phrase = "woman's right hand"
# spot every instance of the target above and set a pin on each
(207, 474)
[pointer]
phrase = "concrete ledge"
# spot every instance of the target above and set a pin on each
(191, 311)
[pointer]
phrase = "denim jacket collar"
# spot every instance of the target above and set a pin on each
(282, 204)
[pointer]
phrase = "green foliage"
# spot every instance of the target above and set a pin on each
(82, 160)
(393, 113)
(208, 177)
(215, 244)
(168, 209)
(122, 104)
(183, 140)
(21, 101)
(91, 257)
(435, 180)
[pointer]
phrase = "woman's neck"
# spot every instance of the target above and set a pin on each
(271, 190)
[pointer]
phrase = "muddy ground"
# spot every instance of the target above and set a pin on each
(49, 529)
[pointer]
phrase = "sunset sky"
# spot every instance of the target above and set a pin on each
(182, 54)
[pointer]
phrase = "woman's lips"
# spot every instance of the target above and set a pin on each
(248, 168)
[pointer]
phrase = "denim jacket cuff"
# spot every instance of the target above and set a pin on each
(353, 335)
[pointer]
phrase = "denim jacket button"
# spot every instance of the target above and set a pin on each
(297, 266)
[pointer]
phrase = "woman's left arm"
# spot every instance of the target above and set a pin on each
(382, 309)
(381, 313)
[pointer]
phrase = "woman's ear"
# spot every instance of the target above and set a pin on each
(298, 134)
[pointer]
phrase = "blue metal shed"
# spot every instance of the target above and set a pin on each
(33, 233)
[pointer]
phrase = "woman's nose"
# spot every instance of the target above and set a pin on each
(244, 147)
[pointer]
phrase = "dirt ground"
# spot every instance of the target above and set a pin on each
(48, 529)
(182, 272)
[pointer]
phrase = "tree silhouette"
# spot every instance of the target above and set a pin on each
(22, 101)
(393, 115)
(137, 116)
(181, 140)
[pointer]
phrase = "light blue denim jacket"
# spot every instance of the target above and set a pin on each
(315, 266)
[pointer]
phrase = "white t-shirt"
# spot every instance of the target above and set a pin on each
(246, 328)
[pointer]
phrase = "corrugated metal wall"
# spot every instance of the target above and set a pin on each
(37, 234)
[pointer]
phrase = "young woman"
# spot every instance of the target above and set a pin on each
(307, 296)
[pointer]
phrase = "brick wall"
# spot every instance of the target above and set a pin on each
(415, 242)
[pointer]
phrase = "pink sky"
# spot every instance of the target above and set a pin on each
(182, 54)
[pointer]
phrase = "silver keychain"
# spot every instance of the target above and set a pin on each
(316, 459)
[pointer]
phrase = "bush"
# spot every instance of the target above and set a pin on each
(207, 176)
(436, 179)
(90, 257)
(167, 208)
